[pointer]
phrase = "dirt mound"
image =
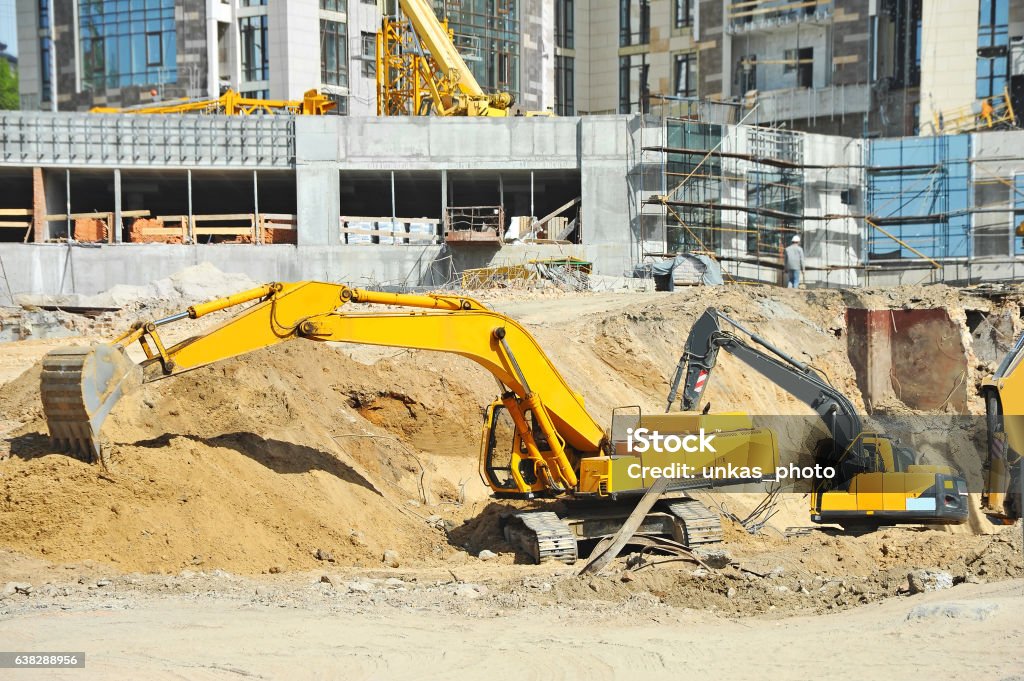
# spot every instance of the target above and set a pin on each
(192, 483)
(260, 462)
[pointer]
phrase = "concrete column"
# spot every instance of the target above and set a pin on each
(191, 225)
(318, 200)
(117, 228)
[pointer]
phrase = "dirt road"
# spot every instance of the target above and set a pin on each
(972, 632)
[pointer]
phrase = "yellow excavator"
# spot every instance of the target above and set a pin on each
(877, 481)
(1003, 392)
(538, 440)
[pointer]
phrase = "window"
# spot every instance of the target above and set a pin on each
(682, 13)
(634, 93)
(93, 65)
(564, 23)
(684, 76)
(634, 22)
(154, 49)
(565, 78)
(368, 47)
(993, 41)
(44, 49)
(333, 53)
(801, 62)
(488, 33)
(333, 5)
(127, 43)
(255, 64)
(253, 3)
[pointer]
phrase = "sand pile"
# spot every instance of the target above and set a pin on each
(260, 462)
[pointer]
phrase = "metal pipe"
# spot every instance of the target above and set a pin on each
(172, 318)
(201, 309)
(500, 335)
(393, 210)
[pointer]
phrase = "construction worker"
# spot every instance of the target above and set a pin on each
(793, 262)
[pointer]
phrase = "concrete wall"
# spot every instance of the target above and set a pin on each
(60, 269)
(949, 46)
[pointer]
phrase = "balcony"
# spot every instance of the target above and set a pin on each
(752, 16)
(808, 103)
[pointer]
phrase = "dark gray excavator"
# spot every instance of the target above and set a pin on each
(877, 481)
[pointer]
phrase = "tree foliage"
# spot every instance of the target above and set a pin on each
(8, 87)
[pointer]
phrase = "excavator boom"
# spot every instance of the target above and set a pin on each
(877, 480)
(81, 385)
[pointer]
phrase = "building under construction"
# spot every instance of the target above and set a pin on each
(87, 201)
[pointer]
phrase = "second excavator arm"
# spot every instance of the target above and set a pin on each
(797, 378)
(80, 385)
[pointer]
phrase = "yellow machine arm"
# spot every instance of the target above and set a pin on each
(1003, 392)
(233, 104)
(561, 428)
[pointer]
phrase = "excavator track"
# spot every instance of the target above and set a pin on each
(543, 536)
(696, 523)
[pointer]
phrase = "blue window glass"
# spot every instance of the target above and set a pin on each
(993, 42)
(127, 42)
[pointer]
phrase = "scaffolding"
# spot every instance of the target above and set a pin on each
(913, 210)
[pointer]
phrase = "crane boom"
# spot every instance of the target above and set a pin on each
(435, 38)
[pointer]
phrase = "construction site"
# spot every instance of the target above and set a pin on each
(720, 387)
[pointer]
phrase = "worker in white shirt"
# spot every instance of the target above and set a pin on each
(793, 263)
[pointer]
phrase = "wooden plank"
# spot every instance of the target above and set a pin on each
(21, 225)
(599, 561)
(379, 232)
(237, 231)
(387, 218)
(224, 216)
(16, 211)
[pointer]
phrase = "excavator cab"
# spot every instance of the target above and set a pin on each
(514, 449)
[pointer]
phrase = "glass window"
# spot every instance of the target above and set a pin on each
(684, 77)
(487, 34)
(993, 42)
(565, 77)
(255, 64)
(634, 91)
(127, 43)
(634, 22)
(333, 5)
(564, 23)
(369, 44)
(333, 53)
(682, 13)
(154, 49)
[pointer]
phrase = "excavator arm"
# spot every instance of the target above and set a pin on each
(797, 378)
(81, 385)
(876, 481)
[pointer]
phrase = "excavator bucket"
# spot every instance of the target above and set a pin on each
(79, 387)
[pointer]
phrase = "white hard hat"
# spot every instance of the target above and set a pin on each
(796, 239)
